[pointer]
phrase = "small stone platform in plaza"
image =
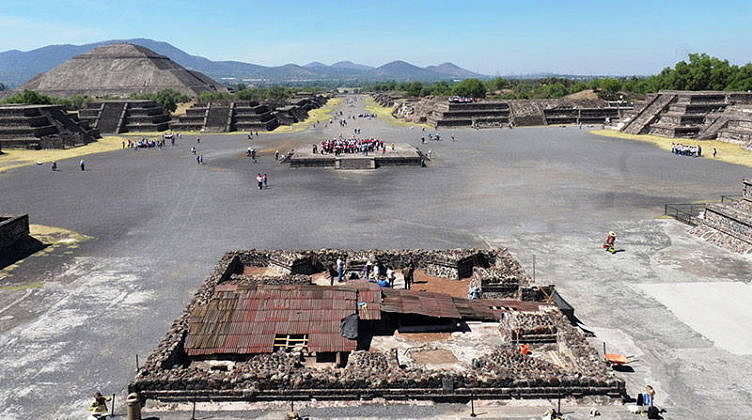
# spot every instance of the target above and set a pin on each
(402, 155)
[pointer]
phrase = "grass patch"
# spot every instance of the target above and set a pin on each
(183, 108)
(727, 152)
(385, 113)
(25, 286)
(16, 158)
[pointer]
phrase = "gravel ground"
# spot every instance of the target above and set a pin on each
(156, 223)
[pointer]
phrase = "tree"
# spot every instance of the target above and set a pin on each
(609, 88)
(167, 98)
(29, 97)
(472, 88)
(742, 79)
(3, 87)
(555, 90)
(500, 83)
(414, 88)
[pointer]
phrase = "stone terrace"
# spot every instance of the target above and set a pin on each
(42, 127)
(126, 116)
(224, 116)
(683, 114)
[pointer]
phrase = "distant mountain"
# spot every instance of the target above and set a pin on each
(349, 65)
(453, 70)
(16, 67)
(403, 70)
(315, 65)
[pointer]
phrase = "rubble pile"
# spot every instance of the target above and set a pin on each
(529, 327)
(283, 280)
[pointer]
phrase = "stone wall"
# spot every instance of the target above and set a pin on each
(13, 228)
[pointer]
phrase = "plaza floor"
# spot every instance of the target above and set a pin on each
(152, 223)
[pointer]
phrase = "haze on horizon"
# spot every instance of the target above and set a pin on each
(489, 37)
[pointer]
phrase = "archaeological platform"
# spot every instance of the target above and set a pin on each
(344, 324)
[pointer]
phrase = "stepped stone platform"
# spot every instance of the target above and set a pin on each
(125, 116)
(686, 114)
(403, 155)
(519, 112)
(225, 116)
(43, 127)
(729, 224)
(297, 108)
(478, 114)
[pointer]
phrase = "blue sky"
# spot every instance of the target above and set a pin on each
(492, 37)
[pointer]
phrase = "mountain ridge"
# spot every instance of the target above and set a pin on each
(17, 67)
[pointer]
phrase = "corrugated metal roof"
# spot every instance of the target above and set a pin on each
(245, 320)
(435, 305)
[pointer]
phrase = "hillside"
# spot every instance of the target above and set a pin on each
(17, 67)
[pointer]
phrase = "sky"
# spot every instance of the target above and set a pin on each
(498, 37)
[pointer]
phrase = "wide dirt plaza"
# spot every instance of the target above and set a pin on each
(135, 235)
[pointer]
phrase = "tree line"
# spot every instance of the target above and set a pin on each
(699, 72)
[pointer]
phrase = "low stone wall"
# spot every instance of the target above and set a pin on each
(13, 228)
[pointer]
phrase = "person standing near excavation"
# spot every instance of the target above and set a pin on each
(340, 270)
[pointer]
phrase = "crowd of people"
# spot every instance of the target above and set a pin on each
(461, 99)
(349, 145)
(686, 150)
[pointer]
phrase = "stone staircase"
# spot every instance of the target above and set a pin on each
(111, 117)
(649, 113)
(218, 118)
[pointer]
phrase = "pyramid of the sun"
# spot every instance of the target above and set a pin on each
(120, 70)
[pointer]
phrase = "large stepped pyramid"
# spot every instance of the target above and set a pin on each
(120, 70)
(42, 127)
(125, 116)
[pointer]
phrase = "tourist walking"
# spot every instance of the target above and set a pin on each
(715, 152)
(260, 181)
(82, 164)
(53, 166)
(266, 181)
(276, 155)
